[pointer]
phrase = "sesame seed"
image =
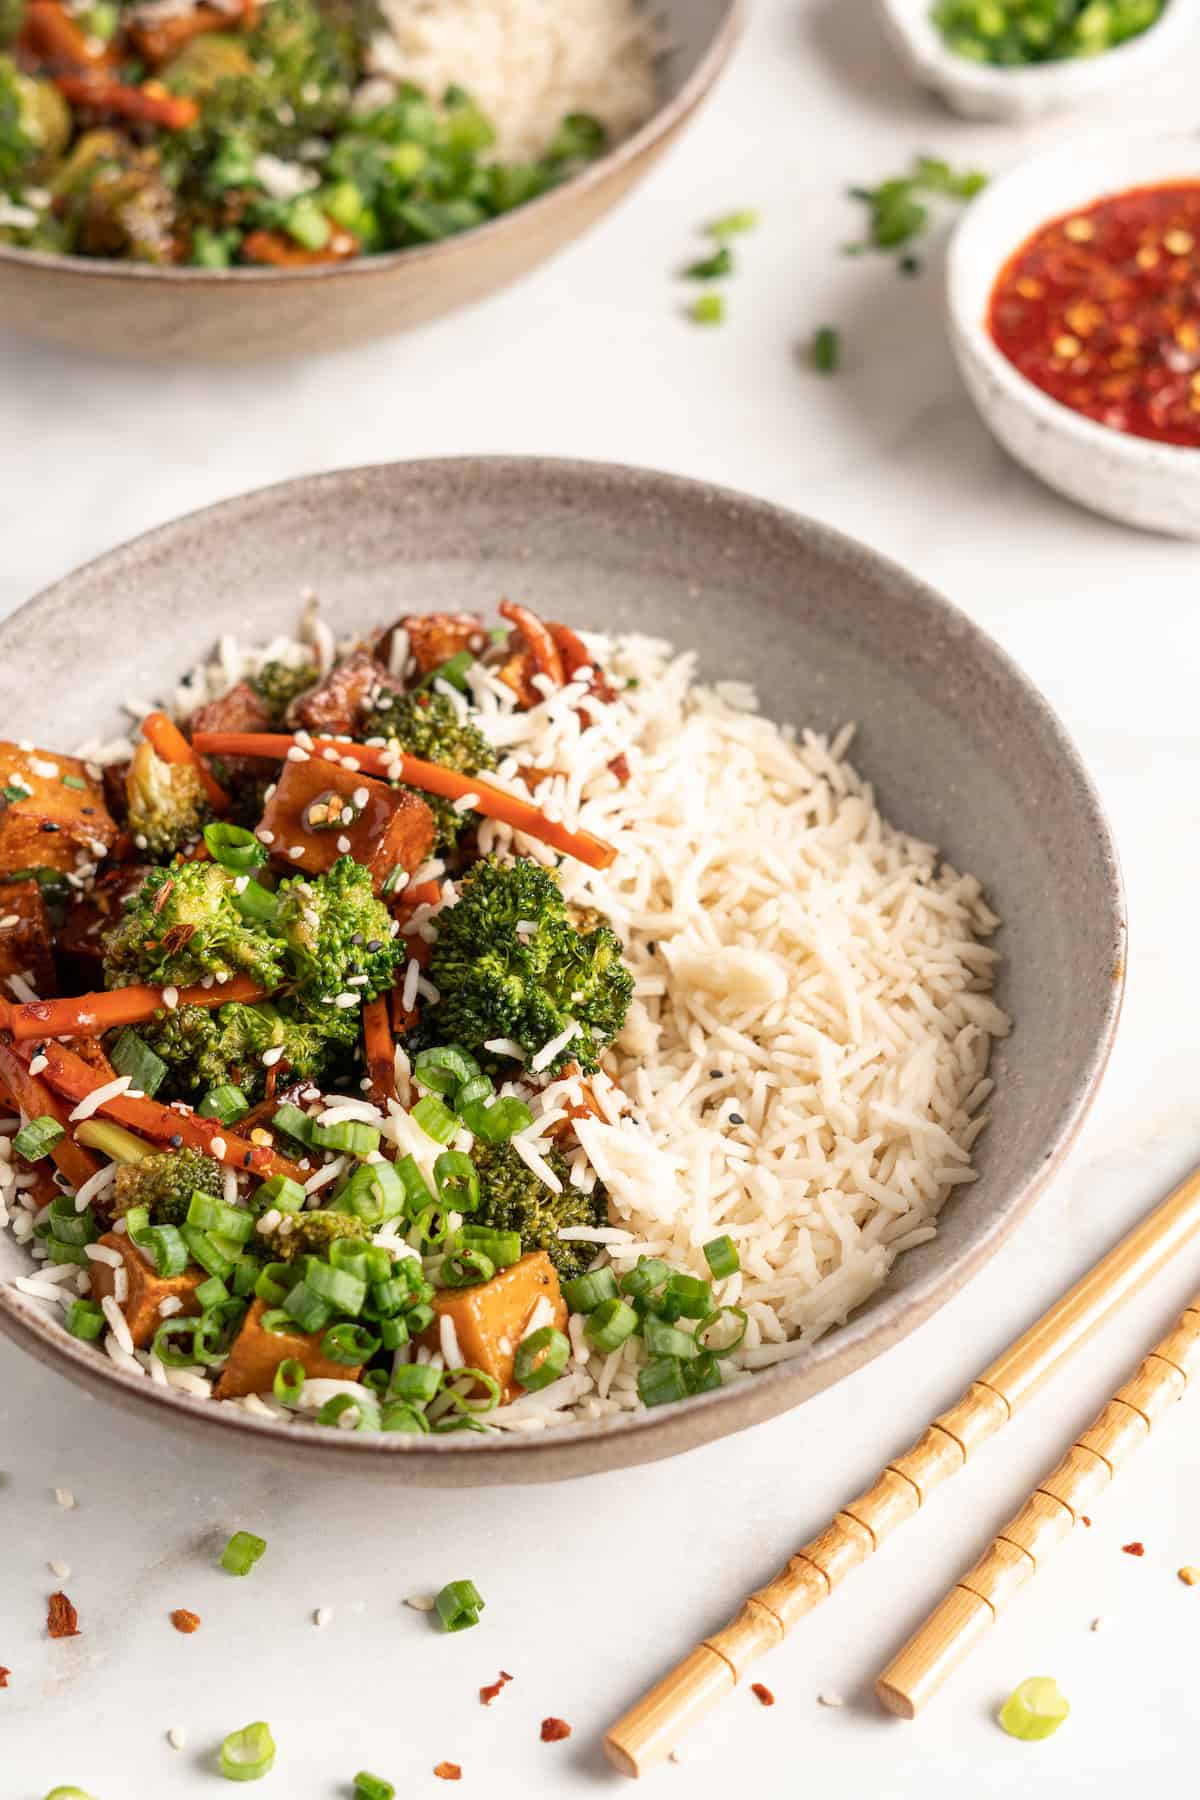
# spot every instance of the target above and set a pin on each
(360, 797)
(343, 844)
(61, 1570)
(323, 1615)
(264, 836)
(170, 996)
(421, 1602)
(296, 852)
(830, 1700)
(177, 1737)
(345, 1001)
(65, 1498)
(271, 1057)
(218, 1147)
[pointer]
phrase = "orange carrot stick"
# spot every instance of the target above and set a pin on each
(174, 112)
(278, 251)
(50, 34)
(380, 1050)
(522, 815)
(86, 1015)
(538, 639)
(36, 1101)
(70, 1076)
(165, 737)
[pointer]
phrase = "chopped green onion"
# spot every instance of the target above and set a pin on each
(245, 1277)
(435, 1118)
(466, 1268)
(164, 1349)
(69, 1226)
(168, 1252)
(1034, 1710)
(217, 1329)
(37, 1137)
(369, 1262)
(256, 902)
(226, 1103)
(376, 1380)
(416, 1191)
(67, 1253)
(541, 1358)
(113, 1140)
(249, 1754)
(203, 1249)
(444, 1069)
(85, 1320)
(288, 1384)
(337, 1287)
(722, 1258)
(68, 1793)
(350, 1344)
(306, 1308)
(278, 1323)
(459, 1605)
(478, 1088)
(826, 347)
(733, 224)
(459, 1385)
(387, 1298)
(711, 268)
(234, 847)
(693, 1297)
(726, 1344)
(366, 1418)
(641, 1281)
(242, 1552)
(211, 1292)
(372, 1787)
(586, 1292)
(374, 1193)
(453, 670)
(457, 1181)
(353, 1136)
(393, 1333)
(496, 1123)
(392, 879)
(662, 1381)
(667, 1340)
(500, 1247)
(130, 1056)
(430, 1229)
(415, 1382)
(702, 1374)
(209, 1214)
(707, 309)
(609, 1324)
(282, 1192)
(402, 1417)
(419, 1318)
(296, 1124)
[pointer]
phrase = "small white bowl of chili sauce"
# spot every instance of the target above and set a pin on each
(1073, 289)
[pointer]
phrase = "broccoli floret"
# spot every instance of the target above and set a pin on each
(509, 963)
(309, 1234)
(427, 725)
(182, 925)
(35, 122)
(335, 931)
(206, 1049)
(277, 684)
(167, 802)
(512, 1198)
(164, 1182)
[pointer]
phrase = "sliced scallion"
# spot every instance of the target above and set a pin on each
(37, 1137)
(354, 1137)
(720, 1253)
(130, 1056)
(288, 1384)
(281, 1192)
(351, 1345)
(459, 1605)
(662, 1381)
(209, 1214)
(249, 1754)
(435, 1118)
(466, 1268)
(242, 1552)
(609, 1324)
(226, 1103)
(234, 847)
(586, 1292)
(85, 1320)
(541, 1358)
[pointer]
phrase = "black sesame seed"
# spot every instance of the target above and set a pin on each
(49, 825)
(89, 810)
(652, 947)
(736, 1119)
(247, 1159)
(716, 1075)
(175, 1141)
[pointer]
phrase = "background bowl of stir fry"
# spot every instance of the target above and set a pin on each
(256, 178)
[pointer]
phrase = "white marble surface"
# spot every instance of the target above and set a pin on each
(593, 1588)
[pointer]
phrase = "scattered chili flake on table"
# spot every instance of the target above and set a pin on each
(488, 1694)
(1084, 1520)
(1100, 309)
(555, 1730)
(1135, 1549)
(4, 1675)
(763, 1693)
(62, 1620)
(447, 1771)
(185, 1621)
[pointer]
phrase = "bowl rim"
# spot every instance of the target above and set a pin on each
(1066, 78)
(654, 131)
(865, 1335)
(970, 246)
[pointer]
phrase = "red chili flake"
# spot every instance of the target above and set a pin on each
(762, 1692)
(185, 1621)
(488, 1694)
(1137, 1548)
(4, 1675)
(61, 1618)
(1084, 1520)
(447, 1771)
(555, 1730)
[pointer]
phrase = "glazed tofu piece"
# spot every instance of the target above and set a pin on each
(388, 829)
(147, 1291)
(26, 944)
(240, 709)
(433, 638)
(334, 707)
(256, 1355)
(489, 1320)
(89, 921)
(52, 812)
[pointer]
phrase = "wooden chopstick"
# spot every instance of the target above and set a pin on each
(658, 1722)
(1049, 1515)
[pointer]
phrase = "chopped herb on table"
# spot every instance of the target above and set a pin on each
(708, 309)
(1034, 1710)
(897, 212)
(1012, 33)
(826, 348)
(249, 1754)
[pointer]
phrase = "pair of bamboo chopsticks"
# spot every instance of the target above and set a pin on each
(657, 1723)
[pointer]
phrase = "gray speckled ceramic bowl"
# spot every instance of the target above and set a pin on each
(963, 749)
(147, 314)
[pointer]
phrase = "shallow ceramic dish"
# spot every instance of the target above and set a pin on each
(1010, 96)
(1155, 486)
(964, 750)
(252, 314)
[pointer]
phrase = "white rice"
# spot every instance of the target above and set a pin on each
(526, 63)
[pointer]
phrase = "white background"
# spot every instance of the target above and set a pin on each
(594, 1588)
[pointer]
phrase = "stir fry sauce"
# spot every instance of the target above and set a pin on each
(1101, 310)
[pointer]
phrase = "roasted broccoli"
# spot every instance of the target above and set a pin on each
(508, 963)
(427, 725)
(182, 925)
(335, 933)
(513, 1198)
(308, 1234)
(165, 1182)
(277, 684)
(204, 1048)
(167, 802)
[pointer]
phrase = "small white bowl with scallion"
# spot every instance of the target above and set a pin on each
(1011, 93)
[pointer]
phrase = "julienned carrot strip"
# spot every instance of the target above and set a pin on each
(522, 815)
(380, 1050)
(36, 1100)
(70, 1076)
(165, 737)
(538, 638)
(52, 36)
(86, 1015)
(174, 112)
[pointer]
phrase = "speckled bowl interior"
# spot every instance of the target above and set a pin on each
(962, 747)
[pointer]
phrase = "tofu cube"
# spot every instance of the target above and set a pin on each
(390, 830)
(26, 944)
(256, 1355)
(147, 1291)
(489, 1320)
(52, 812)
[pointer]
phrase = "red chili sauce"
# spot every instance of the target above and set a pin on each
(1101, 310)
